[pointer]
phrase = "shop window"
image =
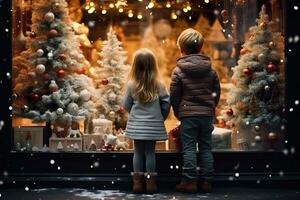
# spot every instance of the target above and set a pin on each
(71, 60)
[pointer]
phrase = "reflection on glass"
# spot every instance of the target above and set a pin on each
(71, 59)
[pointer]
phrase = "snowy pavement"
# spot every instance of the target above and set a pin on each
(232, 193)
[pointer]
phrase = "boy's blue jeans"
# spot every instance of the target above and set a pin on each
(197, 130)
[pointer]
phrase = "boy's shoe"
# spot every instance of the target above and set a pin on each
(151, 186)
(205, 187)
(138, 182)
(187, 187)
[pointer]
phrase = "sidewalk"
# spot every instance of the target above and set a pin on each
(232, 193)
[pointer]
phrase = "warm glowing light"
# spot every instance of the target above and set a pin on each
(139, 16)
(140, 0)
(104, 12)
(121, 10)
(185, 10)
(150, 5)
(92, 4)
(111, 5)
(173, 15)
(168, 4)
(130, 14)
(189, 7)
(91, 10)
(206, 1)
(87, 7)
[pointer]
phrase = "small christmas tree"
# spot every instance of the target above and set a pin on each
(203, 26)
(256, 98)
(52, 85)
(114, 69)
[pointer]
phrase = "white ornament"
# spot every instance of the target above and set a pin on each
(85, 95)
(40, 52)
(53, 86)
(59, 111)
(40, 68)
(73, 108)
(267, 87)
(112, 96)
(49, 17)
(50, 55)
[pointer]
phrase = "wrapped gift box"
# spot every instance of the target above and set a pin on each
(65, 144)
(89, 140)
(38, 136)
(101, 126)
(221, 138)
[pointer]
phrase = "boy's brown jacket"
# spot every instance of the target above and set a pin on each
(195, 87)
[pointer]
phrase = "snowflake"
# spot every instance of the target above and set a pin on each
(296, 7)
(26, 188)
(52, 162)
(296, 102)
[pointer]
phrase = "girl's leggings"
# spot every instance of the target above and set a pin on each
(144, 148)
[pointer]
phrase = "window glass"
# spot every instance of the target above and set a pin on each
(71, 61)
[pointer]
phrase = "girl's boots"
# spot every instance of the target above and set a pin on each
(138, 182)
(151, 186)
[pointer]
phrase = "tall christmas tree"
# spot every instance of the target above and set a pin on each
(256, 98)
(151, 42)
(114, 69)
(52, 85)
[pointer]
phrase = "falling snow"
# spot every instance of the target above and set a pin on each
(52, 162)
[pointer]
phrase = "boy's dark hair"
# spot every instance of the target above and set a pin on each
(190, 41)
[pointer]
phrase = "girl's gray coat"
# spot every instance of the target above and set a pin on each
(146, 120)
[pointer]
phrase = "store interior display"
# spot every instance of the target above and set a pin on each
(71, 60)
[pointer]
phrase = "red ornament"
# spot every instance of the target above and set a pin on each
(221, 123)
(61, 73)
(81, 70)
(229, 112)
(32, 34)
(224, 13)
(247, 71)
(271, 68)
(52, 33)
(34, 97)
(122, 110)
(46, 76)
(243, 51)
(104, 81)
(62, 56)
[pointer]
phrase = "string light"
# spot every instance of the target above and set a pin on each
(150, 5)
(173, 15)
(111, 5)
(91, 10)
(130, 14)
(121, 10)
(168, 4)
(185, 10)
(140, 0)
(140, 16)
(206, 1)
(104, 12)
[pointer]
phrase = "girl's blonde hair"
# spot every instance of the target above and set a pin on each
(145, 76)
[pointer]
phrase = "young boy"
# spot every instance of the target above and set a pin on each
(195, 92)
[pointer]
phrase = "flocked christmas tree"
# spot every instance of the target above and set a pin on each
(53, 84)
(256, 98)
(114, 69)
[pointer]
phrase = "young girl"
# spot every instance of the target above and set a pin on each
(147, 101)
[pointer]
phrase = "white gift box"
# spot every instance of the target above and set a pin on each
(65, 144)
(89, 140)
(38, 136)
(100, 125)
(221, 138)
